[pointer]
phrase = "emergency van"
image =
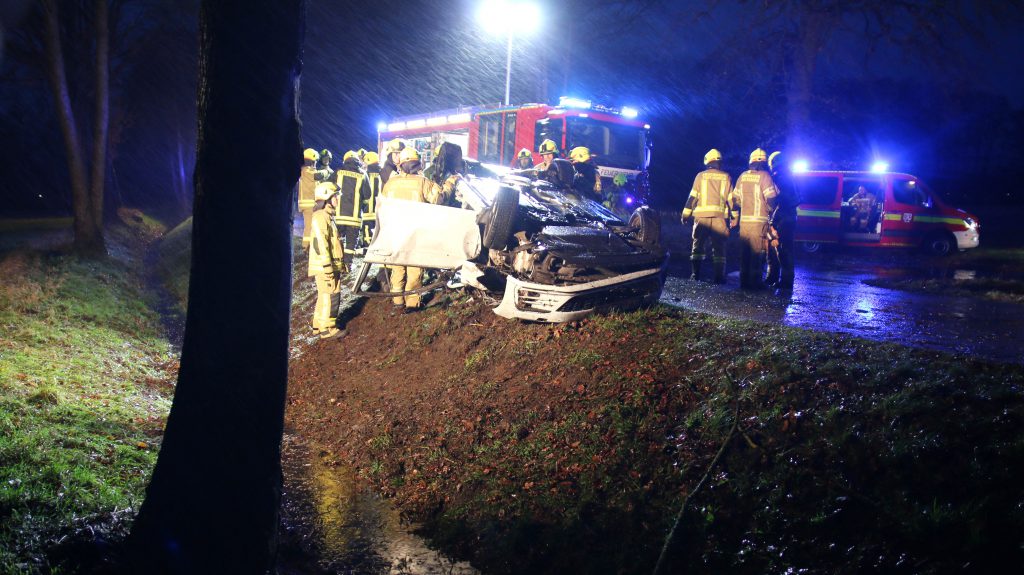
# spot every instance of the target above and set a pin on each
(870, 209)
(619, 142)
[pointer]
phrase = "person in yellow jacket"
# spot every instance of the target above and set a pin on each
(326, 262)
(369, 213)
(353, 187)
(307, 183)
(752, 202)
(409, 184)
(708, 206)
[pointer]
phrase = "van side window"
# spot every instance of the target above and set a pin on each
(910, 192)
(819, 190)
(490, 133)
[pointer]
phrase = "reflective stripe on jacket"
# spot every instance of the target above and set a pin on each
(325, 254)
(754, 197)
(353, 187)
(412, 187)
(709, 197)
(307, 182)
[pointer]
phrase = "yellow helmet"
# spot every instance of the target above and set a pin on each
(396, 145)
(311, 155)
(350, 154)
(547, 147)
(579, 154)
(371, 158)
(758, 155)
(408, 153)
(713, 155)
(524, 153)
(324, 190)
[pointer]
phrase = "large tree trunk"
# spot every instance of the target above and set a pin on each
(101, 112)
(812, 34)
(88, 235)
(211, 506)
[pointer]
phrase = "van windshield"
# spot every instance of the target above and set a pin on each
(911, 193)
(615, 146)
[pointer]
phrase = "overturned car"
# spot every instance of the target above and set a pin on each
(554, 255)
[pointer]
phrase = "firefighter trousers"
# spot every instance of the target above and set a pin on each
(780, 258)
(328, 298)
(307, 222)
(406, 279)
(349, 236)
(715, 232)
(752, 251)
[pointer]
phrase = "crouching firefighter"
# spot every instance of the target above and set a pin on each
(708, 206)
(325, 261)
(353, 187)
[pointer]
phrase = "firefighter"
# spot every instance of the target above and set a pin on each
(863, 203)
(353, 187)
(752, 202)
(325, 261)
(323, 167)
(446, 171)
(781, 226)
(548, 151)
(708, 206)
(588, 179)
(409, 184)
(369, 213)
(392, 151)
(307, 185)
(524, 160)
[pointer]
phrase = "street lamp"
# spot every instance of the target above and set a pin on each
(502, 17)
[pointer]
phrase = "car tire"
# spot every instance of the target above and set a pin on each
(939, 244)
(811, 247)
(648, 226)
(502, 218)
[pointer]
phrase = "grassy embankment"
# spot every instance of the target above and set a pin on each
(991, 273)
(85, 385)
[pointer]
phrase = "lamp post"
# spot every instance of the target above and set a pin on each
(502, 17)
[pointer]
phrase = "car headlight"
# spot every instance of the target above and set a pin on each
(970, 222)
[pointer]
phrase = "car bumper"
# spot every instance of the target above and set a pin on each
(967, 239)
(556, 304)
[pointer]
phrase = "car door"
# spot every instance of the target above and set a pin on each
(423, 235)
(817, 215)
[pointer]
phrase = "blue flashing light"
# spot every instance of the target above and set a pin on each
(880, 167)
(629, 200)
(628, 112)
(799, 166)
(569, 102)
(382, 126)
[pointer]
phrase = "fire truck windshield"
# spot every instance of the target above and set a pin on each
(615, 146)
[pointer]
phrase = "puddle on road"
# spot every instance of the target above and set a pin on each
(328, 525)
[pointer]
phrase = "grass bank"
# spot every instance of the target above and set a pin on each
(85, 386)
(996, 274)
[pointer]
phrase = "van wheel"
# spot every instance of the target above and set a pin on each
(811, 247)
(939, 244)
(648, 226)
(502, 218)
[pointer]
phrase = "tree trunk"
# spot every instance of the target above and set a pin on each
(211, 506)
(88, 236)
(811, 36)
(101, 113)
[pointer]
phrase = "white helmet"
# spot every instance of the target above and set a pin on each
(324, 191)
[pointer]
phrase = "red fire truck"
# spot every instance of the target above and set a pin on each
(493, 134)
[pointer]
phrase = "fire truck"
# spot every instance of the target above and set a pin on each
(619, 142)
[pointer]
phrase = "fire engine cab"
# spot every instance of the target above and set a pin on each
(493, 134)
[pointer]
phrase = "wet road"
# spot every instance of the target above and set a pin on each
(830, 295)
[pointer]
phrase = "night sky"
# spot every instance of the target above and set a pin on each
(940, 97)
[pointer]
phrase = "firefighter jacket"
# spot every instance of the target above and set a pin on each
(387, 170)
(754, 197)
(709, 197)
(412, 187)
(325, 253)
(587, 180)
(354, 187)
(786, 205)
(307, 182)
(375, 181)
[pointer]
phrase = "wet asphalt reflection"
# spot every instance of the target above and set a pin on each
(830, 295)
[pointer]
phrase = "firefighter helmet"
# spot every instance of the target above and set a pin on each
(547, 147)
(758, 155)
(324, 190)
(773, 160)
(409, 154)
(579, 154)
(326, 155)
(371, 158)
(311, 155)
(524, 153)
(713, 155)
(392, 146)
(349, 155)
(361, 152)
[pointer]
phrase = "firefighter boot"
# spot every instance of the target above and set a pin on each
(719, 272)
(695, 270)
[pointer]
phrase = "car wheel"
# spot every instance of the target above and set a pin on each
(939, 244)
(502, 218)
(811, 247)
(648, 226)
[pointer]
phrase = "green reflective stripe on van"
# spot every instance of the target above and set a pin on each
(817, 213)
(927, 219)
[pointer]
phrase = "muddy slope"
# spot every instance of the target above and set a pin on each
(541, 449)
